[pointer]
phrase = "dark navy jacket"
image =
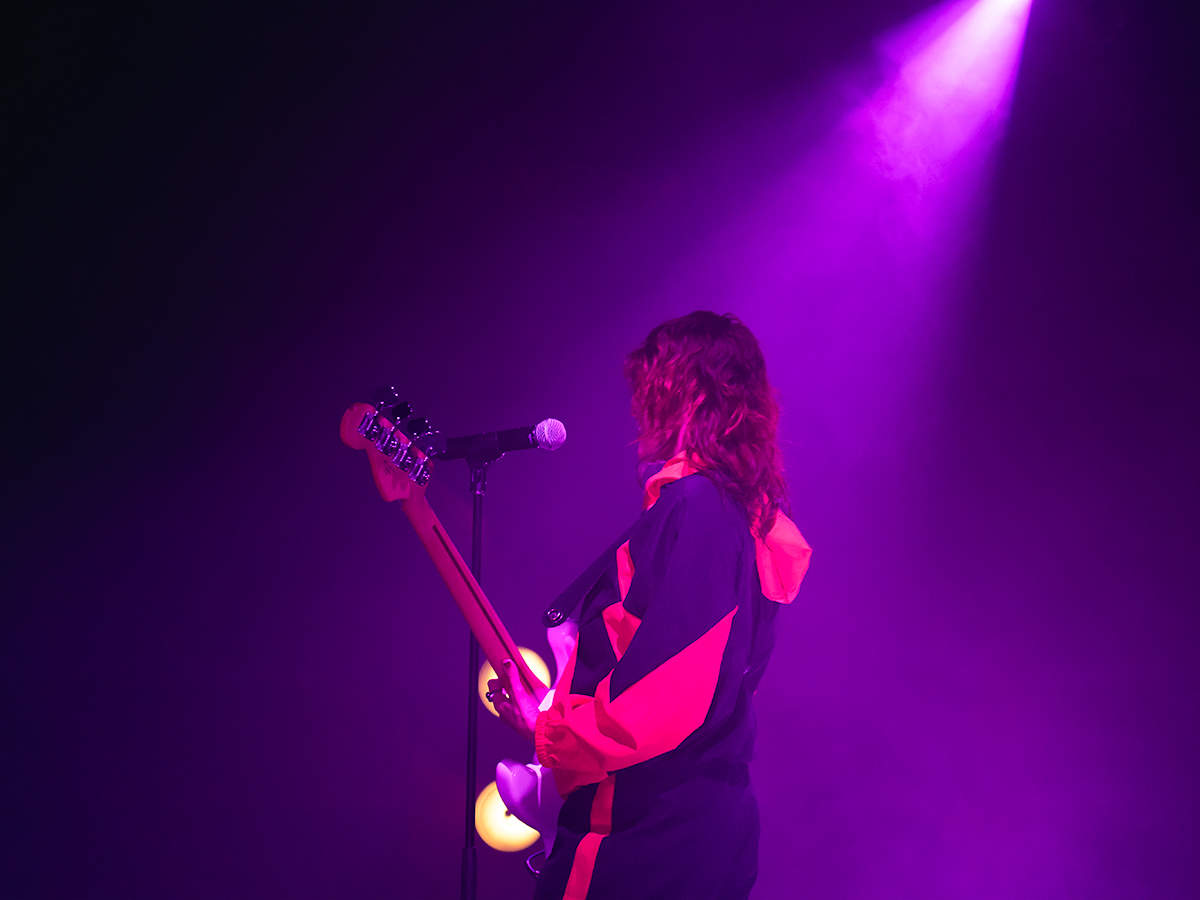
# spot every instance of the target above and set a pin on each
(652, 726)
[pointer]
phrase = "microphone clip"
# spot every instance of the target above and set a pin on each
(484, 451)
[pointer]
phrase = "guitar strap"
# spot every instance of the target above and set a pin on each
(565, 605)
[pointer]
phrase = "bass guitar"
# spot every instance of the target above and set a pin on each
(401, 450)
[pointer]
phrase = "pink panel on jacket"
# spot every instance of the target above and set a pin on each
(584, 738)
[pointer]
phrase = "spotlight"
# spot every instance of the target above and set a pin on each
(955, 79)
(499, 828)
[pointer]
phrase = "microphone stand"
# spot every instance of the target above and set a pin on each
(482, 453)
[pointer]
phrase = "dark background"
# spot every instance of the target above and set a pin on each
(230, 670)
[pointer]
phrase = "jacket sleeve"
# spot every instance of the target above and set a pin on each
(683, 577)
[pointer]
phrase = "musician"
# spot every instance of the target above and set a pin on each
(652, 726)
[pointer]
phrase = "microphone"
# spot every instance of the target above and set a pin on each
(548, 434)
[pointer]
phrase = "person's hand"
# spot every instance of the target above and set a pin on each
(517, 707)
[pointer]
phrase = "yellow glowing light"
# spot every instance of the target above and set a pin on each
(497, 826)
(487, 673)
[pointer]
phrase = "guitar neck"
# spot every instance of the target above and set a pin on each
(401, 469)
(495, 641)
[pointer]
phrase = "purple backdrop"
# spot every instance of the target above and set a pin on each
(229, 668)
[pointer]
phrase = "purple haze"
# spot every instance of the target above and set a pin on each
(231, 670)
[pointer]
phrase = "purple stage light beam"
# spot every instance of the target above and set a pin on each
(955, 80)
(845, 269)
(844, 262)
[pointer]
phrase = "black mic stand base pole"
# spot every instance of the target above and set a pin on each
(478, 460)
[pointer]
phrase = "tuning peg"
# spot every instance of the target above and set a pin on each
(416, 427)
(385, 398)
(432, 443)
(387, 402)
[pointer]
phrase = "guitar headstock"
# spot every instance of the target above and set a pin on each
(400, 447)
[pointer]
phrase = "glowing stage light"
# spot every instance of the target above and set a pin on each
(955, 78)
(486, 673)
(498, 827)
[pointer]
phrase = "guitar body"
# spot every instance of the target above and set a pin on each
(528, 789)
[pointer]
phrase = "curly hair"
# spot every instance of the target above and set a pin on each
(700, 388)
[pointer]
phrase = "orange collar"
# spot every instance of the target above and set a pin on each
(782, 557)
(672, 470)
